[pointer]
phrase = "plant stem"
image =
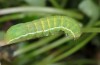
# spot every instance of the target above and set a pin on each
(55, 4)
(41, 10)
(64, 2)
(46, 48)
(91, 30)
(35, 45)
(74, 49)
(54, 54)
(97, 23)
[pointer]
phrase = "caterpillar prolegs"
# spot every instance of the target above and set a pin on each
(43, 27)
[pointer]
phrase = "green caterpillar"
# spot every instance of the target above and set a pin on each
(43, 27)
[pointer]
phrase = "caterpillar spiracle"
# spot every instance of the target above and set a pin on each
(43, 27)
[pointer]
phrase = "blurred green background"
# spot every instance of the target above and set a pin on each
(51, 50)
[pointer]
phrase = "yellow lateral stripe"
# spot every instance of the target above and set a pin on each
(35, 26)
(48, 23)
(54, 21)
(62, 21)
(27, 27)
(42, 25)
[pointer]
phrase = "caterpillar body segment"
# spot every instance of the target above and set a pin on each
(43, 27)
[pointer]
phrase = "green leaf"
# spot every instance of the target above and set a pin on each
(89, 8)
(36, 2)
